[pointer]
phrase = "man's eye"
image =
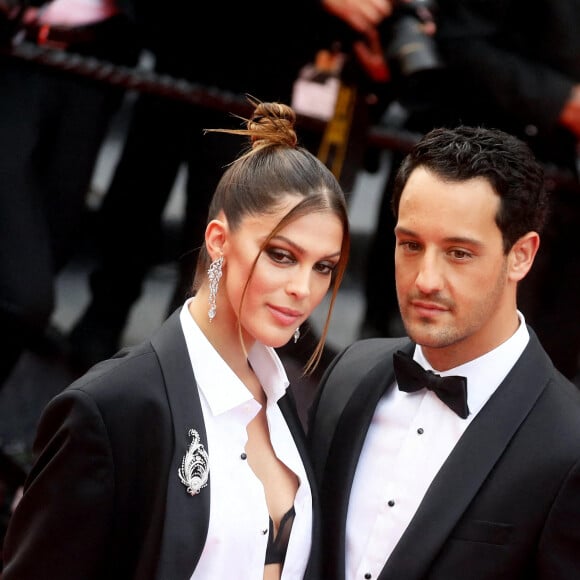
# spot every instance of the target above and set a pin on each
(410, 246)
(460, 254)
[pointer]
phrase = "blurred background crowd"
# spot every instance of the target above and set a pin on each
(103, 106)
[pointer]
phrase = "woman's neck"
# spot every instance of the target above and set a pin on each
(223, 334)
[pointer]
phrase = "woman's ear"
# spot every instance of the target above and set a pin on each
(215, 236)
(522, 255)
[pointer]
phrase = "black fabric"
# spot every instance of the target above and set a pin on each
(411, 377)
(278, 545)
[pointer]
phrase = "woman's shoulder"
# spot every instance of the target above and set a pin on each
(130, 375)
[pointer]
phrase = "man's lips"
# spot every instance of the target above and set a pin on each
(428, 308)
(286, 316)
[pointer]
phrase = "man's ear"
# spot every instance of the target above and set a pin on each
(522, 255)
(216, 234)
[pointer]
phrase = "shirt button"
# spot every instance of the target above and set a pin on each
(264, 532)
(391, 503)
(368, 575)
(243, 456)
(420, 431)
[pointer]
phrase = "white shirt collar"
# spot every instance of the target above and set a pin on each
(485, 373)
(220, 386)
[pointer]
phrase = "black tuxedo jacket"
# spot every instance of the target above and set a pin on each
(505, 504)
(104, 499)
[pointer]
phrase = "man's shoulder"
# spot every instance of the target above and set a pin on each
(370, 350)
(353, 365)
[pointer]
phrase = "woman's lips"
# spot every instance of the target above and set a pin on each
(286, 316)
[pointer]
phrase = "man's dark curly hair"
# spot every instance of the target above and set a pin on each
(505, 161)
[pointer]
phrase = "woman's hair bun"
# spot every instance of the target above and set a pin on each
(272, 124)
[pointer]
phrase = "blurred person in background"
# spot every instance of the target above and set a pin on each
(207, 44)
(53, 124)
(164, 134)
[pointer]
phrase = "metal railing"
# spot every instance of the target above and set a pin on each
(147, 81)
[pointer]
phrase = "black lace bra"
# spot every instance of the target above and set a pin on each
(278, 546)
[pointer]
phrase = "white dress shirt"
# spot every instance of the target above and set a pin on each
(239, 518)
(410, 437)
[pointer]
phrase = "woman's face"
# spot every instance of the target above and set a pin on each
(292, 274)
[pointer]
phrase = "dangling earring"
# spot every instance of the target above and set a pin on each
(214, 274)
(296, 335)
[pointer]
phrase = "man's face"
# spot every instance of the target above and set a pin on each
(451, 272)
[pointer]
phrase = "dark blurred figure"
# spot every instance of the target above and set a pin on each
(53, 123)
(52, 126)
(206, 43)
(164, 134)
(514, 66)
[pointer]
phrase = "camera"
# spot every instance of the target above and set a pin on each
(408, 49)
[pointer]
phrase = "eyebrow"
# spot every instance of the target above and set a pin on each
(451, 239)
(300, 249)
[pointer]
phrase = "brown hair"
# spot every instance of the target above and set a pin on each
(273, 166)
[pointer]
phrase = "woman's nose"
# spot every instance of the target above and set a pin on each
(299, 282)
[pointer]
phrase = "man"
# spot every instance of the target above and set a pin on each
(412, 489)
(514, 66)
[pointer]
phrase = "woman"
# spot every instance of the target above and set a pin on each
(130, 455)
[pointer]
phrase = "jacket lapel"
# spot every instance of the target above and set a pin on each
(472, 459)
(330, 403)
(186, 516)
(287, 406)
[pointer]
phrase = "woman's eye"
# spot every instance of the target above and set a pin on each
(280, 256)
(325, 267)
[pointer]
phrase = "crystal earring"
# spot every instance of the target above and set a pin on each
(214, 274)
(296, 335)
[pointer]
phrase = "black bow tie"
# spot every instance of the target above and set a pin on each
(411, 377)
